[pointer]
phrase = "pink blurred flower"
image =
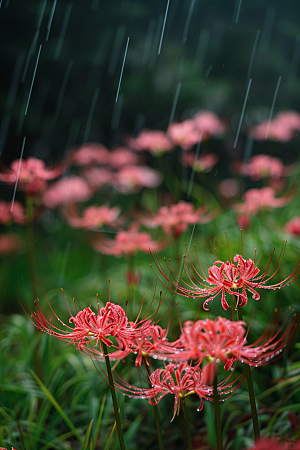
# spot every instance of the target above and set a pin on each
(209, 123)
(132, 178)
(10, 214)
(176, 218)
(290, 118)
(204, 163)
(258, 199)
(153, 140)
(185, 134)
(229, 188)
(127, 243)
(282, 128)
(121, 156)
(98, 177)
(92, 216)
(68, 190)
(10, 243)
(31, 175)
(293, 226)
(263, 166)
(89, 154)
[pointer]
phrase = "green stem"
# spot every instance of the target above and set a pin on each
(155, 410)
(186, 419)
(217, 415)
(250, 389)
(30, 235)
(113, 396)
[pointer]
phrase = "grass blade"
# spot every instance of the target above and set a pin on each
(86, 437)
(56, 405)
(110, 437)
(98, 423)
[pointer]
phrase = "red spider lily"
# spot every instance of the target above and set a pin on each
(293, 226)
(264, 166)
(2, 448)
(226, 277)
(127, 242)
(180, 380)
(10, 243)
(226, 341)
(93, 216)
(155, 141)
(31, 175)
(275, 444)
(91, 329)
(12, 213)
(176, 218)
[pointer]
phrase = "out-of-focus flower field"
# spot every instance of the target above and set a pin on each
(124, 225)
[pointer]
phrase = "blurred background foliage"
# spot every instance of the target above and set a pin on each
(209, 51)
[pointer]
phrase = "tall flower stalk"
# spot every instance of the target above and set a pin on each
(155, 408)
(114, 398)
(217, 414)
(250, 386)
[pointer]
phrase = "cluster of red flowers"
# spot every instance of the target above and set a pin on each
(206, 342)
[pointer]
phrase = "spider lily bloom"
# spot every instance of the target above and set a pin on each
(10, 243)
(226, 277)
(256, 200)
(226, 341)
(93, 217)
(91, 329)
(2, 448)
(185, 134)
(12, 213)
(263, 166)
(89, 154)
(155, 141)
(127, 243)
(31, 175)
(293, 226)
(181, 380)
(204, 163)
(209, 124)
(132, 178)
(282, 128)
(68, 190)
(98, 177)
(122, 156)
(174, 219)
(275, 444)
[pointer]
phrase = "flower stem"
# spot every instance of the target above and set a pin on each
(217, 415)
(250, 389)
(155, 410)
(186, 419)
(113, 396)
(30, 235)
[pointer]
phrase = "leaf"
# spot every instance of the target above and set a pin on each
(98, 423)
(110, 437)
(56, 405)
(86, 437)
